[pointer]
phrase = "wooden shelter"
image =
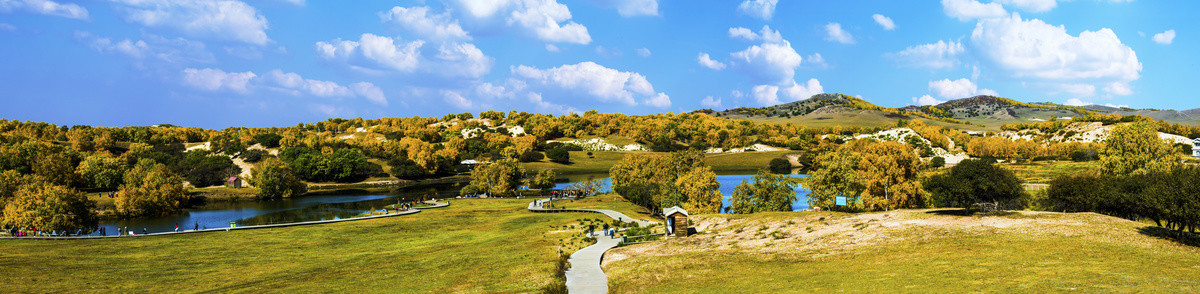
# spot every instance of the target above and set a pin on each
(677, 221)
(234, 182)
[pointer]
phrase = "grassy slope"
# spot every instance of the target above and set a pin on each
(1042, 172)
(604, 160)
(491, 245)
(1034, 252)
(610, 201)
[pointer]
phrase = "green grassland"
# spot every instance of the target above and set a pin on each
(487, 245)
(610, 201)
(908, 251)
(1042, 172)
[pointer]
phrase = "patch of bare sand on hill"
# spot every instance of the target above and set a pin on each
(814, 235)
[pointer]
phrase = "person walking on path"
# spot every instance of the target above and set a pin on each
(144, 231)
(176, 227)
(606, 230)
(196, 226)
(591, 230)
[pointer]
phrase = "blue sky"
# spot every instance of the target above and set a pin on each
(264, 63)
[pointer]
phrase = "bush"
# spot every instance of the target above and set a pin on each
(976, 181)
(274, 179)
(780, 166)
(203, 169)
(1085, 155)
(151, 189)
(559, 155)
(269, 140)
(49, 207)
(255, 155)
(937, 162)
(404, 168)
(343, 165)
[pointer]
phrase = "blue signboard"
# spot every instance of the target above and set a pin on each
(841, 200)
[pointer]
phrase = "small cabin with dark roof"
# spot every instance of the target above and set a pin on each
(234, 182)
(677, 221)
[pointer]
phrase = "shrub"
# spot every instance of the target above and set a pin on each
(976, 181)
(269, 140)
(937, 162)
(254, 155)
(559, 155)
(780, 166)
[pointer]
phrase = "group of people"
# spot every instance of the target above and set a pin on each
(111, 194)
(608, 231)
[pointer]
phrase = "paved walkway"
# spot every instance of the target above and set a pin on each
(408, 212)
(585, 275)
(536, 206)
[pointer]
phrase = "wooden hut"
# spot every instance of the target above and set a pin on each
(234, 182)
(677, 221)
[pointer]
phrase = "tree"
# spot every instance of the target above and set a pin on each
(49, 207)
(254, 155)
(780, 166)
(699, 188)
(767, 192)
(56, 168)
(559, 155)
(10, 182)
(274, 179)
(544, 180)
(1077, 193)
(1135, 148)
(100, 171)
(937, 162)
(151, 189)
(653, 180)
(269, 140)
(836, 175)
(889, 172)
(204, 169)
(403, 168)
(976, 181)
(497, 178)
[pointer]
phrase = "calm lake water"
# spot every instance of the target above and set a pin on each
(325, 207)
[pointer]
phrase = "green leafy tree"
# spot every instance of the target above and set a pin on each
(49, 207)
(766, 192)
(836, 174)
(56, 168)
(269, 140)
(780, 166)
(100, 171)
(937, 162)
(653, 180)
(544, 180)
(976, 181)
(151, 189)
(204, 169)
(559, 155)
(498, 178)
(1135, 148)
(404, 168)
(699, 187)
(274, 179)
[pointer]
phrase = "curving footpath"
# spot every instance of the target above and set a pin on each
(585, 274)
(412, 211)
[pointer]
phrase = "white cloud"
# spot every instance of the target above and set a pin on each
(815, 59)
(552, 48)
(7, 27)
(643, 52)
(455, 98)
(935, 55)
(151, 49)
(1076, 102)
(710, 102)
(1116, 105)
(1039, 53)
(1118, 88)
(1032, 5)
(46, 7)
(547, 20)
(763, 9)
(294, 2)
(955, 89)
(370, 92)
(708, 62)
(768, 95)
(965, 10)
(605, 84)
(449, 59)
(773, 63)
(1164, 38)
(884, 22)
(608, 52)
(215, 79)
(836, 33)
(630, 8)
(536, 99)
(926, 100)
(764, 35)
(418, 20)
(221, 20)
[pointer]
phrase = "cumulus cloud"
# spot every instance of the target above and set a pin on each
(772, 62)
(935, 55)
(552, 48)
(543, 105)
(7, 27)
(210, 79)
(455, 98)
(768, 95)
(220, 20)
(1031, 5)
(630, 8)
(965, 10)
(835, 33)
(708, 62)
(372, 52)
(150, 49)
(547, 20)
(954, 89)
(1118, 88)
(45, 7)
(604, 84)
(766, 34)
(926, 100)
(710, 102)
(1076, 102)
(1039, 53)
(292, 82)
(643, 52)
(370, 92)
(421, 22)
(1164, 38)
(763, 9)
(884, 22)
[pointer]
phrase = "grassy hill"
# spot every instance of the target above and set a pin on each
(918, 251)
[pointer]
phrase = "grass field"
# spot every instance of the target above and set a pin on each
(907, 251)
(488, 245)
(1042, 172)
(610, 201)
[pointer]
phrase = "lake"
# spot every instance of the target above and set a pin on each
(325, 207)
